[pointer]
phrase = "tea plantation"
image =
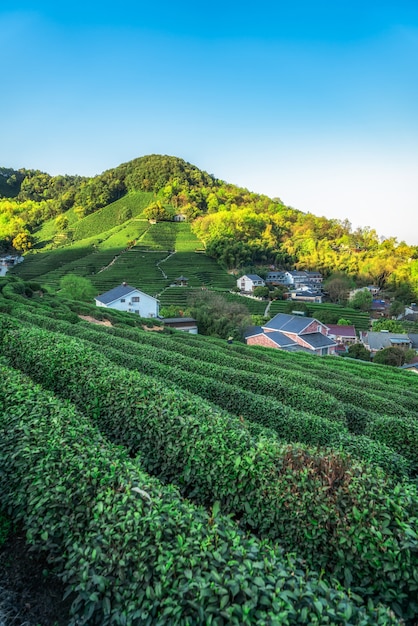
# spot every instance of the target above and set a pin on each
(176, 479)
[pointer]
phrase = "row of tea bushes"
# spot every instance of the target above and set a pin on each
(290, 425)
(339, 391)
(133, 551)
(274, 386)
(349, 520)
(336, 388)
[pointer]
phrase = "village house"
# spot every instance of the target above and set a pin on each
(185, 324)
(342, 334)
(295, 278)
(292, 333)
(306, 295)
(249, 282)
(127, 298)
(377, 340)
(9, 260)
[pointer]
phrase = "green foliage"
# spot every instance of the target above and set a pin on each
(296, 306)
(211, 457)
(153, 172)
(390, 356)
(158, 212)
(129, 547)
(396, 308)
(361, 300)
(390, 325)
(76, 287)
(5, 525)
(337, 287)
(172, 311)
(277, 293)
(261, 292)
(216, 316)
(343, 322)
(358, 351)
(10, 181)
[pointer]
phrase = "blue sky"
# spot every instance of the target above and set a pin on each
(312, 102)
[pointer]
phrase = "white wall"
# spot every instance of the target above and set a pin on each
(146, 307)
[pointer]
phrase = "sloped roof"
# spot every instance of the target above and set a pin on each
(178, 320)
(121, 291)
(309, 293)
(252, 331)
(289, 323)
(341, 330)
(414, 339)
(318, 340)
(252, 277)
(378, 340)
(280, 339)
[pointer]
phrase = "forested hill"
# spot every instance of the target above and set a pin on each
(237, 227)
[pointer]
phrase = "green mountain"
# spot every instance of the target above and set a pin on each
(70, 223)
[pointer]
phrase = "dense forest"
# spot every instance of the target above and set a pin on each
(236, 227)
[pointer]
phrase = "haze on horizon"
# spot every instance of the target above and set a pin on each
(315, 103)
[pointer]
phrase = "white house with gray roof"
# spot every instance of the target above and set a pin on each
(249, 282)
(293, 333)
(129, 299)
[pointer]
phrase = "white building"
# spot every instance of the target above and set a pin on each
(127, 298)
(249, 282)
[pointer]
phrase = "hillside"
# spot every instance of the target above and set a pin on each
(235, 227)
(193, 469)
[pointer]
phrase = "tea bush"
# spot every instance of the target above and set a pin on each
(132, 550)
(349, 520)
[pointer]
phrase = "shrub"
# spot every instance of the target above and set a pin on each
(132, 550)
(332, 511)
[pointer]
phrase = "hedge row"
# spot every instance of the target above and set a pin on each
(290, 425)
(134, 552)
(317, 374)
(356, 392)
(311, 400)
(331, 510)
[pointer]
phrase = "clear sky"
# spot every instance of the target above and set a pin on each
(315, 102)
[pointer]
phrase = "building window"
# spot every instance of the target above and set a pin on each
(122, 299)
(135, 299)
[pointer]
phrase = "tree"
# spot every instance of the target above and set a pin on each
(217, 317)
(390, 325)
(156, 211)
(410, 355)
(396, 308)
(390, 356)
(343, 322)
(358, 351)
(76, 287)
(278, 293)
(296, 306)
(362, 300)
(23, 241)
(338, 289)
(61, 222)
(261, 292)
(326, 317)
